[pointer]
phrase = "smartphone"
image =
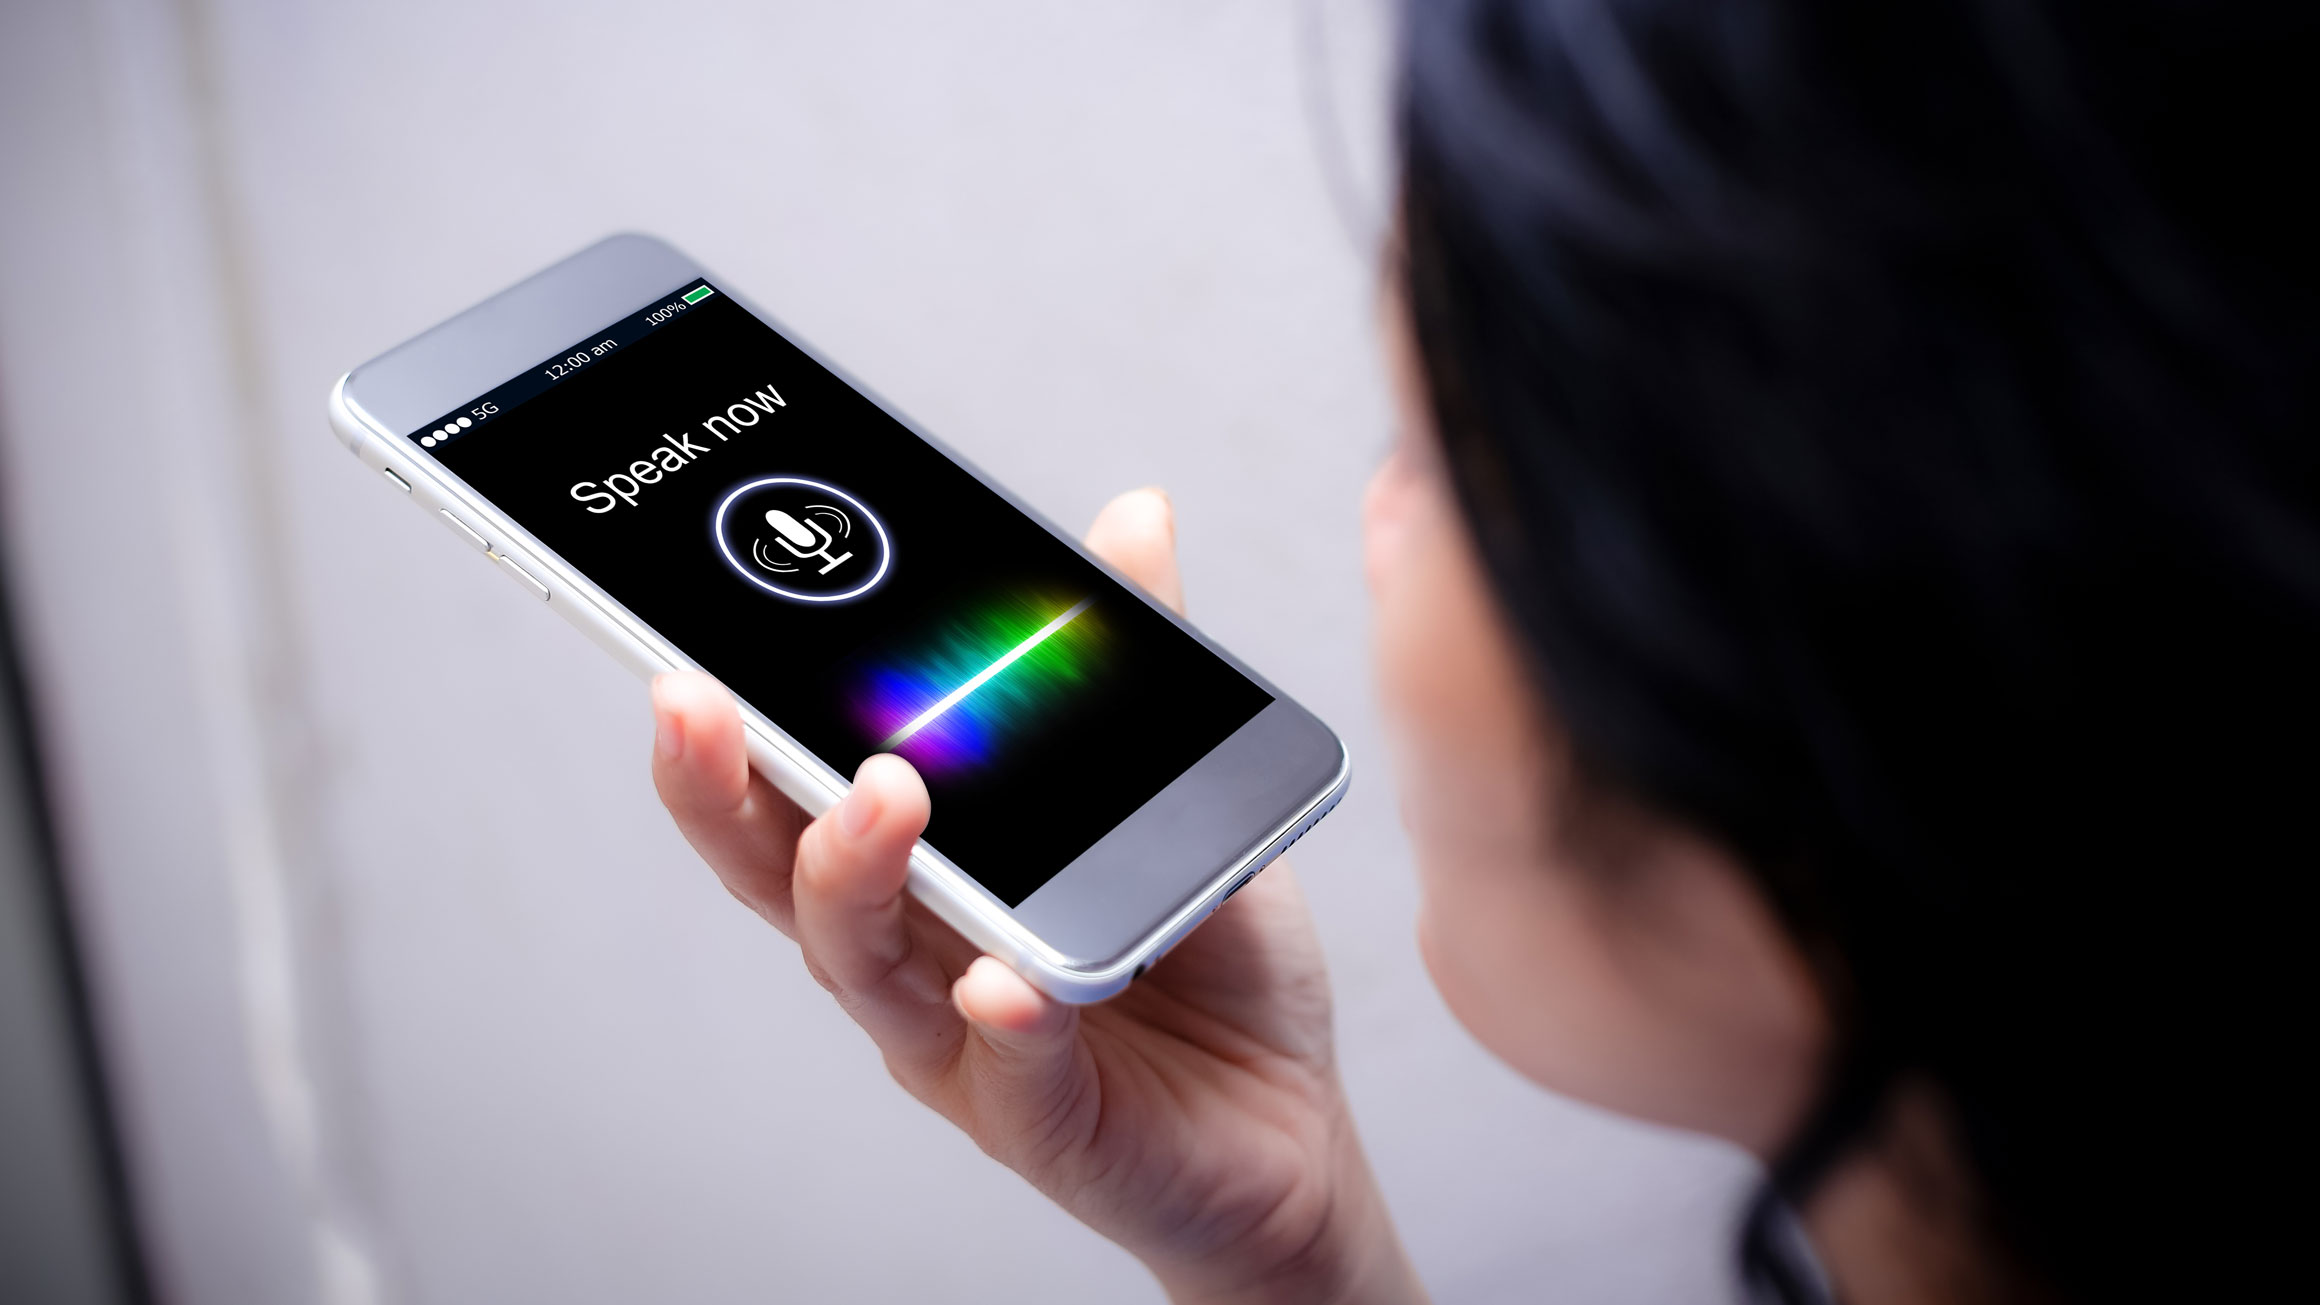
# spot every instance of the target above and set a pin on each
(632, 443)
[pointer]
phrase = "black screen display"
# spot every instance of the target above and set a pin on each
(848, 580)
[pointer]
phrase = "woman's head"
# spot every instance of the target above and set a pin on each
(1847, 599)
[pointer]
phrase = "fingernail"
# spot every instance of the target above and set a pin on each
(857, 812)
(668, 735)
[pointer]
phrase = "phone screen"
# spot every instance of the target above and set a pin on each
(850, 581)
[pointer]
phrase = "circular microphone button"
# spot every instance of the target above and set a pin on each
(803, 540)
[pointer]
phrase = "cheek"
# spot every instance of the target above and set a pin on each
(1555, 979)
(1512, 957)
(1521, 965)
(1467, 740)
(1527, 961)
(1671, 998)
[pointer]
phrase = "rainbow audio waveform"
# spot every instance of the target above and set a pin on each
(984, 677)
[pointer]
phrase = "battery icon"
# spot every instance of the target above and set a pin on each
(698, 294)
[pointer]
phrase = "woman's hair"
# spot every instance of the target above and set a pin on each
(1890, 429)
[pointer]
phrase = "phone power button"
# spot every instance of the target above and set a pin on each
(516, 572)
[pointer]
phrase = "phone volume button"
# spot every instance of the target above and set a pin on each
(531, 583)
(465, 531)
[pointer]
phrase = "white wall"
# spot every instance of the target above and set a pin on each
(523, 1049)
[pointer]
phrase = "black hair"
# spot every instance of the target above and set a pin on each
(1890, 430)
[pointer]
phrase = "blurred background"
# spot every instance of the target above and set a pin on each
(344, 953)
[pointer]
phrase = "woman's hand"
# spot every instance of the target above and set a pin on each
(1196, 1119)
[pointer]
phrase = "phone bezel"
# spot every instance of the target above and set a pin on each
(1104, 917)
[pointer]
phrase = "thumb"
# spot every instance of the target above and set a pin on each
(1028, 1042)
(1136, 533)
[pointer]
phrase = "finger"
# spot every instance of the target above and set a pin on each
(1024, 1055)
(741, 826)
(1016, 1018)
(851, 920)
(1136, 533)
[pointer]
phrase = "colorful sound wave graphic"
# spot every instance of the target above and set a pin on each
(986, 676)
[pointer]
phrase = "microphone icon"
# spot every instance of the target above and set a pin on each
(807, 539)
(803, 540)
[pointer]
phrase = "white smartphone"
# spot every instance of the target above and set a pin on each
(635, 445)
